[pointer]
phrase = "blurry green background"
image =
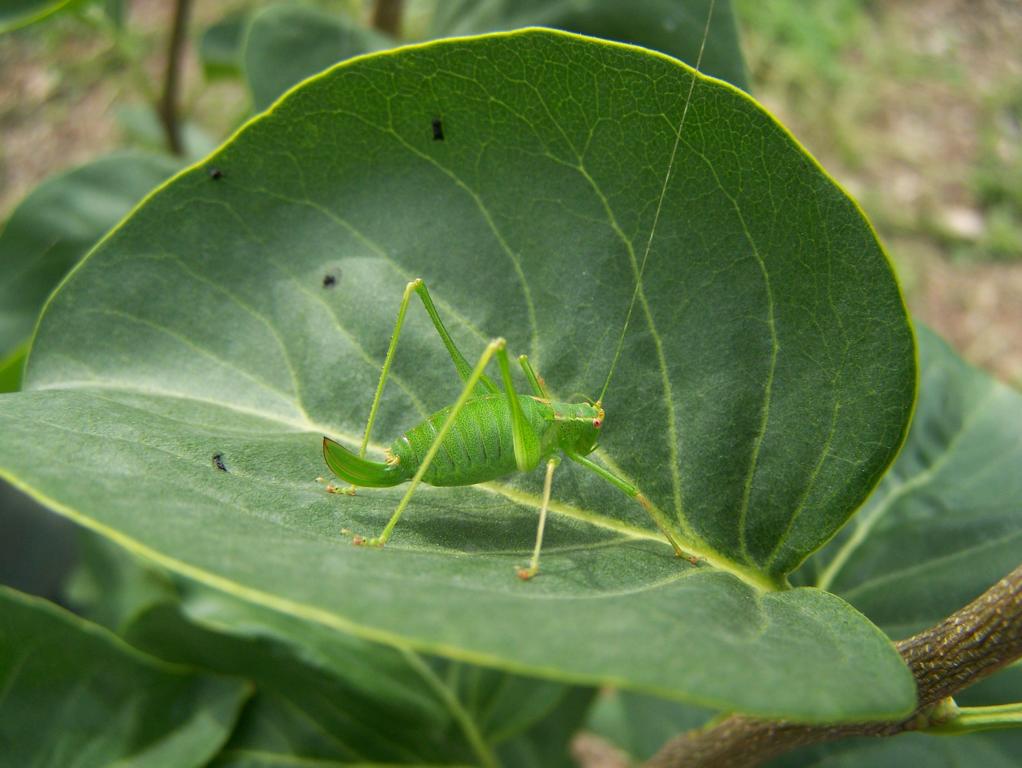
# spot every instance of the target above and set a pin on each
(915, 106)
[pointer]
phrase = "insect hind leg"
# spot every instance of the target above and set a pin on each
(417, 287)
(666, 528)
(495, 347)
(462, 366)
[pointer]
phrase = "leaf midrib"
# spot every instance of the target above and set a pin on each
(309, 427)
(696, 547)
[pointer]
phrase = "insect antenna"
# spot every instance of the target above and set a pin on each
(660, 202)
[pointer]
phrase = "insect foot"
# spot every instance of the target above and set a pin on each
(348, 490)
(679, 552)
(362, 541)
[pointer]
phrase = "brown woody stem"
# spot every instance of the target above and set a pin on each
(967, 646)
(387, 16)
(172, 77)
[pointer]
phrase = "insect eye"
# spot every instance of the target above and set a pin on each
(597, 423)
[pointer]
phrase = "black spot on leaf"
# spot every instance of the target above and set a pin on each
(218, 462)
(215, 173)
(438, 130)
(329, 281)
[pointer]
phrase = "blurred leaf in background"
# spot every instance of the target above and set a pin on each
(220, 44)
(322, 695)
(20, 13)
(52, 229)
(76, 694)
(285, 44)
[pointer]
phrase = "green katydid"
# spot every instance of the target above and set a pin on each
(510, 432)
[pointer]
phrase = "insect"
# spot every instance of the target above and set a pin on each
(488, 433)
(218, 462)
(485, 435)
(438, 130)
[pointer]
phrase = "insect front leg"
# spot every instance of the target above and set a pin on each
(527, 450)
(535, 381)
(462, 366)
(533, 569)
(415, 287)
(657, 516)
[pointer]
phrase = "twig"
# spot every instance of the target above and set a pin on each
(967, 646)
(171, 79)
(387, 16)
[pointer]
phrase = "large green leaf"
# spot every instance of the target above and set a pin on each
(763, 387)
(73, 694)
(946, 522)
(52, 228)
(672, 27)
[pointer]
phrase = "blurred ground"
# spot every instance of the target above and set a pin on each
(915, 106)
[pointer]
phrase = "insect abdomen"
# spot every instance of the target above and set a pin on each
(480, 444)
